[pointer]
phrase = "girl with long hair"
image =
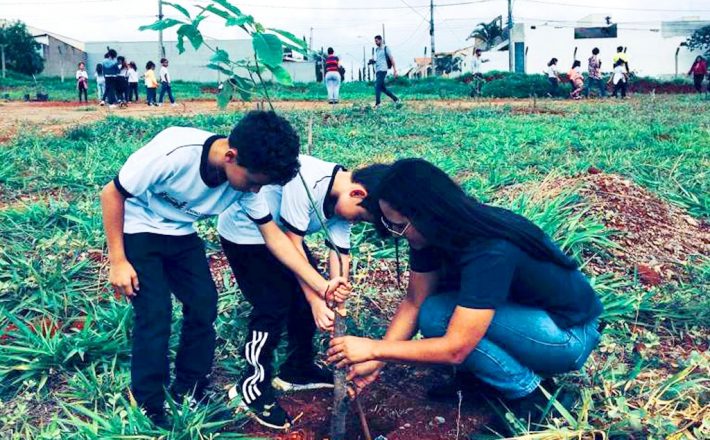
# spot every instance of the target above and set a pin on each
(489, 291)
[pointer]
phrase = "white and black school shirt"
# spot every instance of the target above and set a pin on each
(168, 185)
(291, 208)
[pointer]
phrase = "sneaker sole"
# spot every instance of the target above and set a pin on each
(233, 393)
(284, 386)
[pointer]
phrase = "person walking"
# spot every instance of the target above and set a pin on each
(100, 83)
(165, 82)
(477, 79)
(82, 82)
(553, 76)
(332, 76)
(383, 62)
(577, 80)
(151, 84)
(699, 69)
(122, 81)
(619, 79)
(132, 81)
(594, 79)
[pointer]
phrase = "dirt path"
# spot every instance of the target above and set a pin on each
(55, 117)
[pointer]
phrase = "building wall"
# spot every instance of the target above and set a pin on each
(190, 65)
(60, 59)
(649, 52)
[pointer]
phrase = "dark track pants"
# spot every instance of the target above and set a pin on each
(168, 264)
(278, 302)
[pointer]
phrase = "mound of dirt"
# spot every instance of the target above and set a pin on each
(655, 238)
(395, 406)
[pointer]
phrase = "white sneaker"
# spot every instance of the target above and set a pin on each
(174, 104)
(112, 106)
(102, 103)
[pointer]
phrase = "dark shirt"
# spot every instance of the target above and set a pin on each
(487, 273)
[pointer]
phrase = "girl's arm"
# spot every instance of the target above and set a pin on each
(466, 329)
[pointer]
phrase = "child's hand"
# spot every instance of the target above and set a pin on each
(124, 279)
(322, 315)
(338, 290)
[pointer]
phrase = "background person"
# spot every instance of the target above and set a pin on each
(132, 81)
(699, 69)
(594, 78)
(383, 62)
(332, 76)
(165, 82)
(100, 83)
(82, 82)
(553, 76)
(577, 80)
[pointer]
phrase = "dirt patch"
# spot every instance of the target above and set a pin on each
(536, 111)
(396, 407)
(655, 238)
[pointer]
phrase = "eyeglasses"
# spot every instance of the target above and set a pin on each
(396, 229)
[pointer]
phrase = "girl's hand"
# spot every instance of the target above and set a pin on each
(363, 374)
(350, 350)
(322, 315)
(123, 278)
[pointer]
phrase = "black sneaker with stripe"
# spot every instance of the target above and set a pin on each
(265, 409)
(308, 377)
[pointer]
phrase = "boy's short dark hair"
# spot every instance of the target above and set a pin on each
(162, 60)
(378, 37)
(595, 51)
(619, 48)
(112, 53)
(370, 177)
(267, 143)
(149, 65)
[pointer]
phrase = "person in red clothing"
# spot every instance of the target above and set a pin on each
(332, 76)
(699, 69)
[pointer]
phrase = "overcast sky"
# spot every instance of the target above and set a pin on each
(345, 25)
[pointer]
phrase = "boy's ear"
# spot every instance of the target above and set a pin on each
(358, 193)
(231, 155)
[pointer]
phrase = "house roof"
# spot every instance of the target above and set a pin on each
(37, 32)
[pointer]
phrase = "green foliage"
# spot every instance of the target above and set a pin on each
(245, 76)
(700, 40)
(21, 50)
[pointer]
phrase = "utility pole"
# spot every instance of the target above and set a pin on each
(431, 33)
(2, 59)
(384, 40)
(510, 35)
(364, 64)
(310, 40)
(160, 32)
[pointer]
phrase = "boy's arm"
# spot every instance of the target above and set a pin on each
(283, 249)
(122, 275)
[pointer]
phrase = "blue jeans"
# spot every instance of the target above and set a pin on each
(166, 88)
(595, 82)
(381, 88)
(520, 345)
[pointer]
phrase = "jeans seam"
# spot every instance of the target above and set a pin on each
(525, 336)
(503, 367)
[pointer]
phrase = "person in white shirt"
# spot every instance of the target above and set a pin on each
(82, 82)
(132, 81)
(476, 66)
(619, 79)
(179, 177)
(334, 196)
(553, 76)
(165, 82)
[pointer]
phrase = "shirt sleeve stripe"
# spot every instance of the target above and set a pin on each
(292, 228)
(261, 221)
(124, 192)
(344, 251)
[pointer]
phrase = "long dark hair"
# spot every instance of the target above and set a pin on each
(450, 219)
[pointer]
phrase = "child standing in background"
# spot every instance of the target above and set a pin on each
(100, 83)
(619, 79)
(82, 82)
(151, 84)
(132, 81)
(165, 82)
(577, 80)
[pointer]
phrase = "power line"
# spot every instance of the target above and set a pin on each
(62, 2)
(364, 8)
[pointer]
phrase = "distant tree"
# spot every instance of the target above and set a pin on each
(21, 50)
(700, 40)
(490, 33)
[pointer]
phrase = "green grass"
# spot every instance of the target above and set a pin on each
(59, 379)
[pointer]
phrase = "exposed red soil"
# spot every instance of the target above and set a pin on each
(656, 239)
(395, 407)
